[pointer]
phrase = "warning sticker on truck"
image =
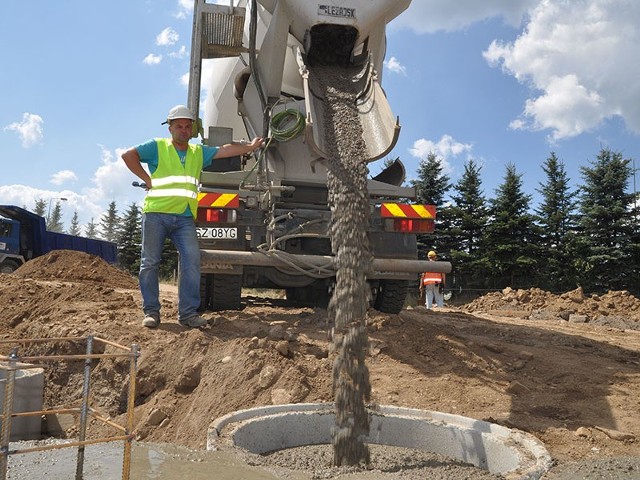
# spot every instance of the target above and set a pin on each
(333, 11)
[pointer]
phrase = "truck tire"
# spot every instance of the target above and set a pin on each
(9, 266)
(391, 296)
(226, 292)
(206, 291)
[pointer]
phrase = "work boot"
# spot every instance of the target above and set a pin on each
(194, 321)
(151, 320)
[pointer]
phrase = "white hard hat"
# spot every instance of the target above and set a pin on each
(179, 111)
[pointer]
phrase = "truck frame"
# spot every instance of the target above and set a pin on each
(263, 221)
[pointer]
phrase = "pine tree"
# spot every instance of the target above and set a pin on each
(511, 234)
(469, 216)
(169, 261)
(91, 229)
(54, 222)
(109, 223)
(431, 187)
(607, 233)
(129, 240)
(40, 207)
(74, 227)
(557, 221)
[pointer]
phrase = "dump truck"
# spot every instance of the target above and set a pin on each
(24, 236)
(263, 220)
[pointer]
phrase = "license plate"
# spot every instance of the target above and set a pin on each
(217, 233)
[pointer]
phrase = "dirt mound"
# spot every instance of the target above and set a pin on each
(617, 309)
(72, 266)
(574, 385)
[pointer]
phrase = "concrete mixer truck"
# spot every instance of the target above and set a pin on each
(263, 220)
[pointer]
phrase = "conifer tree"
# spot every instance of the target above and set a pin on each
(40, 207)
(510, 236)
(74, 227)
(469, 216)
(109, 223)
(169, 261)
(91, 229)
(557, 221)
(431, 187)
(129, 240)
(607, 234)
(54, 222)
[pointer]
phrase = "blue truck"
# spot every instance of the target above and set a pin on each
(24, 236)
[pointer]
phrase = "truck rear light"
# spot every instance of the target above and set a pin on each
(409, 225)
(216, 215)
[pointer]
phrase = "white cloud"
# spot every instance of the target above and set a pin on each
(112, 179)
(29, 130)
(580, 59)
(429, 16)
(168, 36)
(25, 197)
(185, 9)
(395, 66)
(447, 149)
(152, 59)
(63, 176)
(181, 53)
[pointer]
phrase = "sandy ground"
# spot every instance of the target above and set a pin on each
(563, 368)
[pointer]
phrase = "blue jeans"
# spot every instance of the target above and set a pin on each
(156, 227)
(433, 295)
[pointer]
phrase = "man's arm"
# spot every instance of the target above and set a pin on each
(237, 149)
(132, 161)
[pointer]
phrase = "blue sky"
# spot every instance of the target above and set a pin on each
(500, 81)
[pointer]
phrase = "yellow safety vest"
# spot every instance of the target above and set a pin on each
(174, 186)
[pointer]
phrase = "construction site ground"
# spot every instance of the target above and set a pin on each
(565, 368)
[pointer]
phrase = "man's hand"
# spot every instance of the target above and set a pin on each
(256, 143)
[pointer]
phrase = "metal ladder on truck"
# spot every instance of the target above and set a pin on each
(217, 33)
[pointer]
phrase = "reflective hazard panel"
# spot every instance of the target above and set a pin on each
(405, 210)
(219, 200)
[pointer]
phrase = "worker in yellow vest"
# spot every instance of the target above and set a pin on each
(432, 285)
(172, 176)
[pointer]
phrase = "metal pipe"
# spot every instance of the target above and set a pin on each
(7, 410)
(84, 409)
(268, 260)
(133, 364)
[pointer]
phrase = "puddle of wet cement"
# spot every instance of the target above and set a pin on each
(149, 462)
(152, 461)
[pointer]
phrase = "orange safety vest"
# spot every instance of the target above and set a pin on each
(432, 278)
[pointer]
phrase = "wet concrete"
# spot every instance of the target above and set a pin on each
(149, 462)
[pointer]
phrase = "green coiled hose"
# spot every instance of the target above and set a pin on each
(287, 125)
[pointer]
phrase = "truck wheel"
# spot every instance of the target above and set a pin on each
(391, 296)
(8, 266)
(206, 291)
(226, 292)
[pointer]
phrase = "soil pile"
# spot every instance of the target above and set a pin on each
(573, 385)
(72, 266)
(618, 309)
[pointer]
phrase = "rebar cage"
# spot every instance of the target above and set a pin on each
(14, 362)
